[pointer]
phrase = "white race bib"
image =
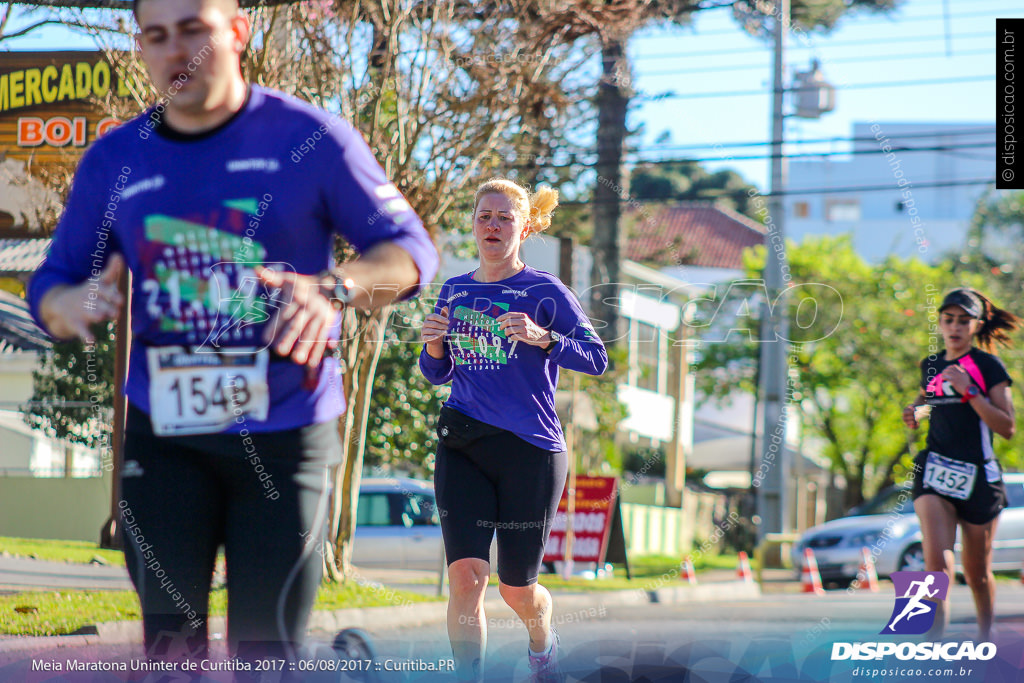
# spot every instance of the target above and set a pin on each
(204, 393)
(949, 477)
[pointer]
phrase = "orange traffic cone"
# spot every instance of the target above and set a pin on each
(867, 575)
(810, 578)
(743, 572)
(686, 572)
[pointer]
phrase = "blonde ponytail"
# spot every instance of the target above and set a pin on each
(542, 205)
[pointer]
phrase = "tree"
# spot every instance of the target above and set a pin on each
(611, 23)
(7, 32)
(404, 406)
(992, 260)
(686, 180)
(859, 332)
(72, 391)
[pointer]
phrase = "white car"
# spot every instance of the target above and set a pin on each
(888, 523)
(397, 525)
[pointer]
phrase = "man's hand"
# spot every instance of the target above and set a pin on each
(69, 310)
(299, 328)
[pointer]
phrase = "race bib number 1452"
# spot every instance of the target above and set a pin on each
(952, 478)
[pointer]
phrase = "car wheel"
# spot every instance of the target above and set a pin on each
(912, 559)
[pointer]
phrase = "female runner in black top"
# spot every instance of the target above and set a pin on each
(957, 479)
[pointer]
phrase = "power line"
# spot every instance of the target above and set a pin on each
(850, 43)
(850, 60)
(890, 187)
(885, 18)
(760, 157)
(805, 155)
(671, 95)
(939, 133)
(952, 132)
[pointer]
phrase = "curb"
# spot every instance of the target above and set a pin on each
(412, 614)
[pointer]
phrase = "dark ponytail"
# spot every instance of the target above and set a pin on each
(996, 324)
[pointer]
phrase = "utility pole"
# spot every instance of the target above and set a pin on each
(772, 478)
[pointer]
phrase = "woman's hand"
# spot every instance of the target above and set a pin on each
(910, 416)
(433, 331)
(958, 377)
(519, 327)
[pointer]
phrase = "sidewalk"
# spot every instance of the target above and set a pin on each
(716, 585)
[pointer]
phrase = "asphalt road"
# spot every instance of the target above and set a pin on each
(779, 637)
(19, 574)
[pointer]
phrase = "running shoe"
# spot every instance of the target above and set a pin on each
(544, 668)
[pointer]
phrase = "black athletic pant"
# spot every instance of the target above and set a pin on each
(263, 497)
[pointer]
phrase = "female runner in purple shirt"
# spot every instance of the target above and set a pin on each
(499, 335)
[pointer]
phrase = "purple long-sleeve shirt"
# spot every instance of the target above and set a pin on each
(509, 384)
(194, 215)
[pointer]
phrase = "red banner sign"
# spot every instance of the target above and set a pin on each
(592, 521)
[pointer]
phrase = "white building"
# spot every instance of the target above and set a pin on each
(918, 187)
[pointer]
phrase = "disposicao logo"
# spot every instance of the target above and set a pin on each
(916, 596)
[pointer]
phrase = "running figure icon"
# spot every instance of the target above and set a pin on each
(915, 607)
(917, 595)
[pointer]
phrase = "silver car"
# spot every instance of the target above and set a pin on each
(397, 525)
(889, 529)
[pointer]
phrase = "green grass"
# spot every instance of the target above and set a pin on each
(63, 612)
(646, 570)
(79, 552)
(656, 565)
(649, 572)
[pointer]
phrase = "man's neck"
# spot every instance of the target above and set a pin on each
(207, 119)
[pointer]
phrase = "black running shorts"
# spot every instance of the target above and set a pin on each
(489, 480)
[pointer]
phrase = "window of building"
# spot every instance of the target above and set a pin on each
(842, 210)
(648, 356)
(801, 209)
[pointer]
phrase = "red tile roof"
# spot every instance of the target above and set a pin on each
(690, 233)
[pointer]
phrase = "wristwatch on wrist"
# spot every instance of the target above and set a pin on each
(972, 392)
(337, 290)
(555, 338)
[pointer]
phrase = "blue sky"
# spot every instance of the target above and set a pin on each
(714, 56)
(908, 45)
